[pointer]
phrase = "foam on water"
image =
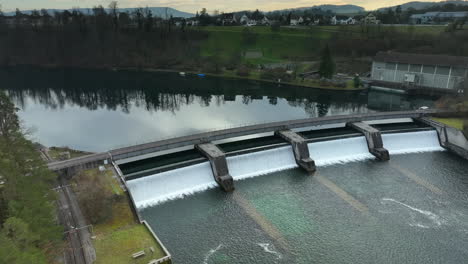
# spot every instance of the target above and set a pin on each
(339, 151)
(169, 185)
(412, 142)
(261, 163)
(158, 188)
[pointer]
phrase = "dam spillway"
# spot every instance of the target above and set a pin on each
(158, 188)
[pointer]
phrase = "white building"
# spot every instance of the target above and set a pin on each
(437, 17)
(244, 19)
(424, 71)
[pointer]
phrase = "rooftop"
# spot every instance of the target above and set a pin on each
(412, 58)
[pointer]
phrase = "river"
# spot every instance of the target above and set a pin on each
(93, 110)
(412, 209)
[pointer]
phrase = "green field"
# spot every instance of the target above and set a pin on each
(288, 44)
(284, 45)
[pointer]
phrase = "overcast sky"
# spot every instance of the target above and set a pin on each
(194, 5)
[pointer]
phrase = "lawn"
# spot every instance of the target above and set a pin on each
(453, 122)
(283, 45)
(121, 235)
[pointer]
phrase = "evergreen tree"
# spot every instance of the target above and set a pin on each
(327, 65)
(27, 223)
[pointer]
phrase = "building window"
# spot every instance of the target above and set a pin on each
(415, 68)
(403, 67)
(459, 72)
(429, 69)
(390, 66)
(443, 70)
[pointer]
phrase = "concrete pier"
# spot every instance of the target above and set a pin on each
(374, 140)
(218, 165)
(300, 149)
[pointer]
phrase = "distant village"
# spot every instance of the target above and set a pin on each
(312, 17)
(258, 19)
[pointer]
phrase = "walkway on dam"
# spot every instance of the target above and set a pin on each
(142, 149)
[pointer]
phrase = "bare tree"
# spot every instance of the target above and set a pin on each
(114, 10)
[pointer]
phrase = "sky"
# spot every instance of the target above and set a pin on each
(194, 5)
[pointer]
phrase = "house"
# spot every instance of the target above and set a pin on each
(297, 21)
(228, 19)
(447, 73)
(244, 19)
(193, 22)
(348, 21)
(437, 17)
(251, 23)
(334, 21)
(265, 21)
(371, 19)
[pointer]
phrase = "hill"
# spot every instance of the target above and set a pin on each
(157, 11)
(422, 5)
(337, 9)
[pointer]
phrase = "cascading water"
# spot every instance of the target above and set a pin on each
(261, 163)
(339, 151)
(170, 185)
(412, 142)
(155, 189)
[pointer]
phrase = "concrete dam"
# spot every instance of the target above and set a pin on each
(154, 189)
(154, 179)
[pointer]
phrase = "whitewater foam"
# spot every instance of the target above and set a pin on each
(429, 215)
(211, 252)
(178, 183)
(266, 248)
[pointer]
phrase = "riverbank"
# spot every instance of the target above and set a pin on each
(117, 233)
(254, 76)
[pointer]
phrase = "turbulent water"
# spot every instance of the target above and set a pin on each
(155, 189)
(411, 209)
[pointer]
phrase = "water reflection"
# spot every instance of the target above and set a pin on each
(98, 110)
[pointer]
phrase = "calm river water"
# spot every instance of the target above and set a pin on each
(101, 110)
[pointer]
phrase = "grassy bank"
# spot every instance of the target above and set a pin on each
(457, 123)
(120, 235)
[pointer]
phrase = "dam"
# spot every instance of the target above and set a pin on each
(282, 213)
(154, 189)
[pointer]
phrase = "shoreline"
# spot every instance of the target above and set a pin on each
(156, 70)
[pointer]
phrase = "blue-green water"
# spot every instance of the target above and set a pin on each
(361, 212)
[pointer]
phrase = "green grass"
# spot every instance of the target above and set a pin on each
(118, 246)
(453, 122)
(288, 43)
(121, 235)
(226, 42)
(54, 152)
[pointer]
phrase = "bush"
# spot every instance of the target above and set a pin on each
(94, 198)
(275, 74)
